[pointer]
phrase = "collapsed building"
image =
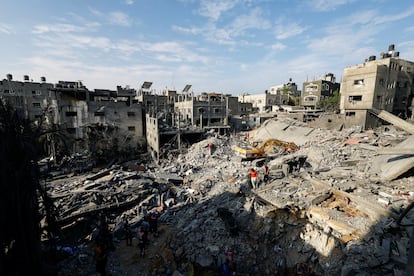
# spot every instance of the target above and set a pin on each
(339, 211)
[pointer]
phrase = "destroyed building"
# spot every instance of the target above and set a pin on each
(333, 206)
(385, 84)
(315, 91)
(337, 201)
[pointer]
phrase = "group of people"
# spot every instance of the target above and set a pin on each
(228, 266)
(103, 245)
(253, 175)
(148, 225)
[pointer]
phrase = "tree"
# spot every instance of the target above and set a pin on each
(330, 104)
(19, 206)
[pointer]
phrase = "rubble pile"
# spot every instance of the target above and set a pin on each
(332, 214)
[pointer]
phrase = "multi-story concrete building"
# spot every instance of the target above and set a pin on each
(284, 92)
(99, 120)
(33, 101)
(207, 111)
(384, 84)
(260, 102)
(315, 91)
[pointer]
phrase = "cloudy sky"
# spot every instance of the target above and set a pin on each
(226, 46)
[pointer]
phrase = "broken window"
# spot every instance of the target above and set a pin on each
(356, 98)
(71, 130)
(311, 88)
(99, 114)
(359, 82)
(350, 114)
(310, 99)
(36, 105)
(131, 128)
(131, 114)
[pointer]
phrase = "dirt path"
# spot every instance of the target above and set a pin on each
(157, 253)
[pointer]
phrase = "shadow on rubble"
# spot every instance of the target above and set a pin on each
(265, 240)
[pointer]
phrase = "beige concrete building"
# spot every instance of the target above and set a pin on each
(384, 84)
(315, 91)
(284, 92)
(208, 110)
(260, 102)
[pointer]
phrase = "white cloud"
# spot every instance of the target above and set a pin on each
(191, 30)
(129, 2)
(114, 18)
(234, 31)
(57, 28)
(285, 30)
(327, 5)
(278, 46)
(6, 29)
(173, 51)
(119, 18)
(213, 9)
(394, 17)
(254, 20)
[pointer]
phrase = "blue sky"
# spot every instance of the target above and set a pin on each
(226, 46)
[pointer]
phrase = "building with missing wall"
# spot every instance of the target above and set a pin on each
(383, 84)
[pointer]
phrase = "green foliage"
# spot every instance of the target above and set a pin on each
(330, 104)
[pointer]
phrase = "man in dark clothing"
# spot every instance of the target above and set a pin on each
(266, 173)
(128, 233)
(153, 223)
(101, 257)
(141, 242)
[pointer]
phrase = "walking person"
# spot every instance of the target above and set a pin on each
(145, 227)
(266, 173)
(253, 178)
(210, 149)
(141, 242)
(128, 233)
(101, 256)
(153, 223)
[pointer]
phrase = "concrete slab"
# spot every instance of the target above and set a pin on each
(274, 129)
(389, 167)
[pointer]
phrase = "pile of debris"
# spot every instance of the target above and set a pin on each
(333, 212)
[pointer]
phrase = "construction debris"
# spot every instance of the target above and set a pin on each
(330, 208)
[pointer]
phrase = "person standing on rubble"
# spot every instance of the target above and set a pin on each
(153, 223)
(128, 233)
(253, 178)
(145, 227)
(210, 149)
(141, 242)
(101, 256)
(266, 173)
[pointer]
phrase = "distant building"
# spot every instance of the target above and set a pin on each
(33, 100)
(384, 84)
(284, 92)
(207, 111)
(262, 102)
(315, 91)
